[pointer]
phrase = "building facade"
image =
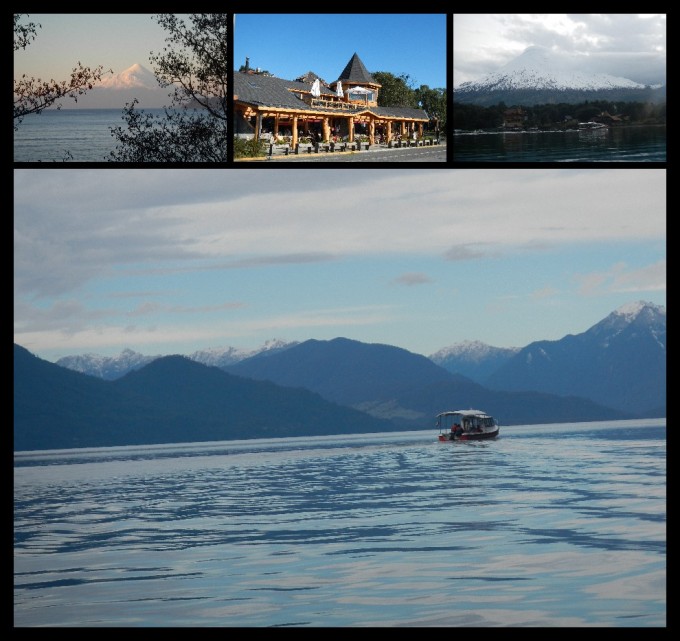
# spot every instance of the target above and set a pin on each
(344, 109)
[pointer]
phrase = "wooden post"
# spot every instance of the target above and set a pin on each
(294, 139)
(351, 129)
(371, 132)
(326, 129)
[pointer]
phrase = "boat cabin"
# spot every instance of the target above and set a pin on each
(465, 420)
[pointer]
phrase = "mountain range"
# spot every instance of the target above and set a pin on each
(541, 76)
(171, 400)
(615, 370)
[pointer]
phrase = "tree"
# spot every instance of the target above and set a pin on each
(33, 95)
(194, 127)
(433, 102)
(395, 90)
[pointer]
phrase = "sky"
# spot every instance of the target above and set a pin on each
(629, 45)
(171, 261)
(115, 41)
(290, 45)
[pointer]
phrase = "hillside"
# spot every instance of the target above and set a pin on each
(619, 362)
(393, 383)
(170, 400)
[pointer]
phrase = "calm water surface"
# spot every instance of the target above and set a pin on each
(624, 144)
(53, 134)
(560, 525)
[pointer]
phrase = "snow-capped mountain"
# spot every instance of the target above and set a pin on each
(473, 359)
(132, 77)
(115, 90)
(113, 367)
(619, 362)
(225, 356)
(106, 367)
(541, 75)
(645, 316)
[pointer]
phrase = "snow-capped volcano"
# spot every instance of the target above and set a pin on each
(541, 68)
(115, 90)
(134, 76)
(539, 74)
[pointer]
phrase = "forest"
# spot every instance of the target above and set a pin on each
(467, 117)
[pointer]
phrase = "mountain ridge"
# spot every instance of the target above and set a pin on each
(170, 400)
(620, 361)
(381, 379)
(539, 75)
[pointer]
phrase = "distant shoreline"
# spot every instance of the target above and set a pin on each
(464, 132)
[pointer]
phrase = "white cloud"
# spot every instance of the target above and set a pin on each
(628, 45)
(67, 234)
(192, 257)
(619, 278)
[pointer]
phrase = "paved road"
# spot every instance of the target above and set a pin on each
(379, 155)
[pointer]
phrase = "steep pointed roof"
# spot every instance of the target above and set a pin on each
(355, 71)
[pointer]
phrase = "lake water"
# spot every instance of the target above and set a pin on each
(85, 133)
(622, 144)
(546, 526)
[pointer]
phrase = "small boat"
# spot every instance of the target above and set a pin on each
(591, 125)
(466, 425)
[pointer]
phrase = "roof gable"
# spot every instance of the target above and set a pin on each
(355, 71)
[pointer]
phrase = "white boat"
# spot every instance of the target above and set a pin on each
(591, 125)
(466, 425)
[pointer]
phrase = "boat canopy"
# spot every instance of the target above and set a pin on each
(462, 413)
(466, 418)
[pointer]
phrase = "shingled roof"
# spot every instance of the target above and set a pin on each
(355, 71)
(268, 91)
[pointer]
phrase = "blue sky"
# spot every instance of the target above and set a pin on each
(172, 261)
(289, 45)
(400, 43)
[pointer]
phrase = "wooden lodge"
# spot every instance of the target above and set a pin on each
(308, 106)
(514, 118)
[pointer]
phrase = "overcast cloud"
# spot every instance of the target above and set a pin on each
(132, 258)
(629, 45)
(73, 226)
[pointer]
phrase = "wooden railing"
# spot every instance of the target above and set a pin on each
(334, 104)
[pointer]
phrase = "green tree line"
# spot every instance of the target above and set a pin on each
(470, 117)
(398, 91)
